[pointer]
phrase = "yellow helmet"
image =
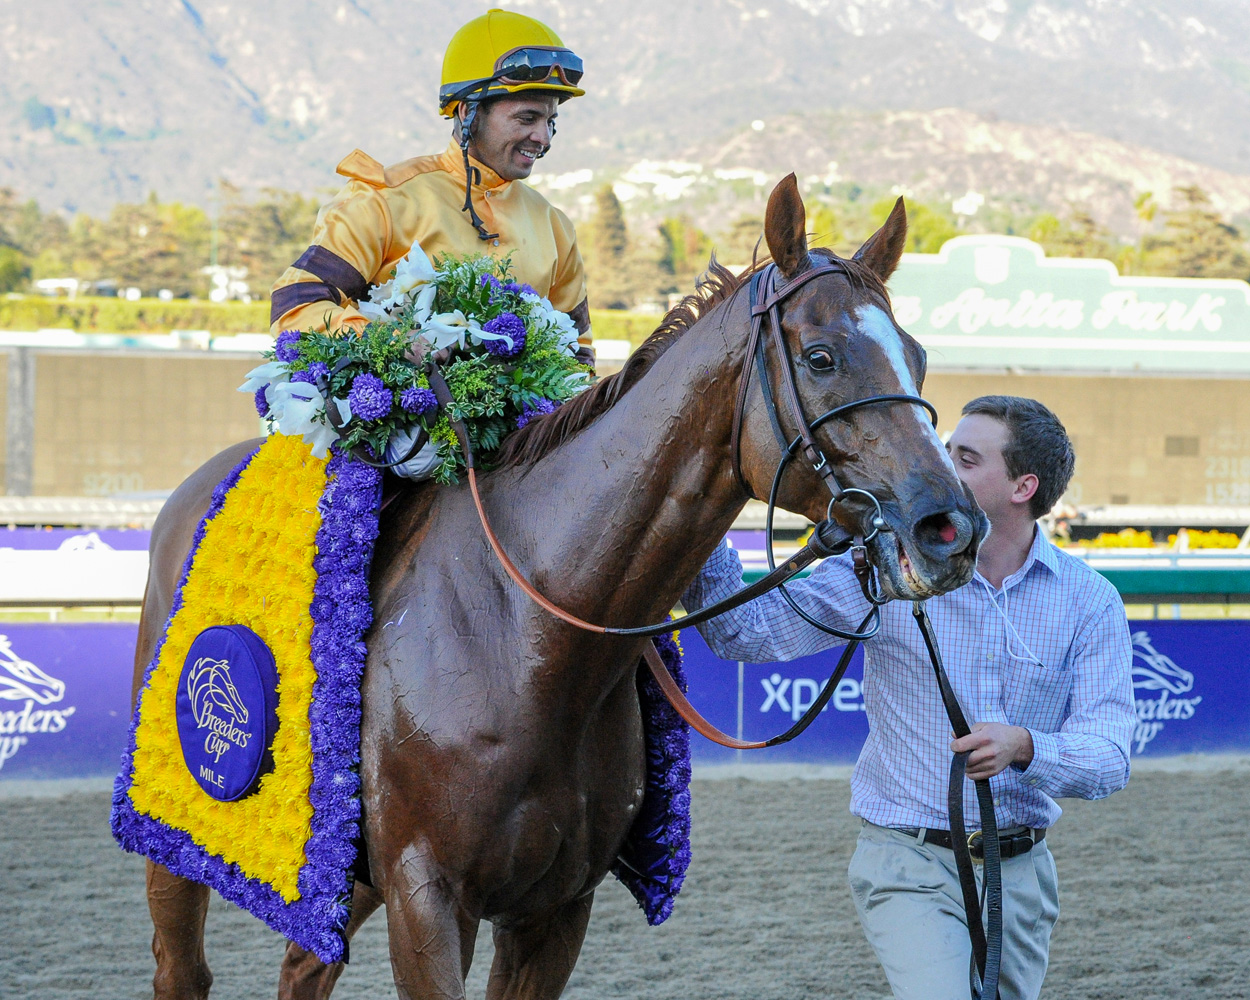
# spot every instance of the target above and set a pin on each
(506, 53)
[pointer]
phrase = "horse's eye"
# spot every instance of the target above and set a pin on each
(821, 359)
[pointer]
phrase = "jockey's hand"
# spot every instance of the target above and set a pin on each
(995, 747)
(586, 355)
(417, 351)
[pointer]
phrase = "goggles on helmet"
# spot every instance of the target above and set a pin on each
(533, 64)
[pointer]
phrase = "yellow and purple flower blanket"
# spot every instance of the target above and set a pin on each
(283, 553)
(241, 767)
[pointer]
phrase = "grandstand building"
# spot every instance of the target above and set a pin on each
(1151, 376)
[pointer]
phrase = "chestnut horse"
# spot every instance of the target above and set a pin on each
(501, 750)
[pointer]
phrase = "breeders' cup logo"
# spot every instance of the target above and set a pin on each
(216, 705)
(22, 681)
(1162, 681)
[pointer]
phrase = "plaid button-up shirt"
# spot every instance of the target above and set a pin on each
(1049, 651)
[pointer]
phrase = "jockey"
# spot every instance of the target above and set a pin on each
(504, 75)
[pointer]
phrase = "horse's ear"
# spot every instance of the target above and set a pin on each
(885, 246)
(785, 228)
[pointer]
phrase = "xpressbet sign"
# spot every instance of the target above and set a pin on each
(999, 301)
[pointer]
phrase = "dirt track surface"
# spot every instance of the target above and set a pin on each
(1153, 886)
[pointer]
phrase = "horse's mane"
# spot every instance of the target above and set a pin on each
(716, 285)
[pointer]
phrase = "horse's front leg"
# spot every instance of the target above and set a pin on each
(431, 934)
(178, 907)
(304, 976)
(534, 958)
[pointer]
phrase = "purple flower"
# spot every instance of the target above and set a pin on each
(311, 373)
(262, 404)
(418, 401)
(286, 349)
(510, 325)
(369, 398)
(536, 409)
(490, 281)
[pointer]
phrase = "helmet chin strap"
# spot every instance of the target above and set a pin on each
(471, 174)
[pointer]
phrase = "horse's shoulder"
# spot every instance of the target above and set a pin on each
(181, 514)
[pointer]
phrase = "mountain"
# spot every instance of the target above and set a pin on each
(1040, 100)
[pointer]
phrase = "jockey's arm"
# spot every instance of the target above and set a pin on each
(568, 286)
(350, 242)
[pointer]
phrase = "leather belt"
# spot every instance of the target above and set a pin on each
(1011, 843)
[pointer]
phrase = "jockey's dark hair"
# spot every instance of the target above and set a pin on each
(1037, 443)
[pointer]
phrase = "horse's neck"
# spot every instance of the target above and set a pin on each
(632, 506)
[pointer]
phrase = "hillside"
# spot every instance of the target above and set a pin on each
(1059, 100)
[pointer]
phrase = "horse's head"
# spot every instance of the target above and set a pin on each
(209, 683)
(1155, 671)
(21, 680)
(843, 345)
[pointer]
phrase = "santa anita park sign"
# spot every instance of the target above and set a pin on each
(999, 302)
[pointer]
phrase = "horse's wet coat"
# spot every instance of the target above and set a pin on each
(501, 751)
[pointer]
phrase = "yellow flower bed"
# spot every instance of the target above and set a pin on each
(254, 567)
(1128, 538)
(1213, 539)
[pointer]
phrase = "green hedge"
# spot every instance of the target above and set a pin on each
(616, 324)
(110, 315)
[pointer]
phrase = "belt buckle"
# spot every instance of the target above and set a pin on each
(975, 846)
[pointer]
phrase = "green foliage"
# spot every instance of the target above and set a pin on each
(1195, 242)
(684, 251)
(823, 227)
(1077, 236)
(14, 269)
(90, 314)
(608, 237)
(489, 392)
(743, 241)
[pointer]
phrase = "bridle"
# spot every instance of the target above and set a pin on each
(828, 538)
(765, 301)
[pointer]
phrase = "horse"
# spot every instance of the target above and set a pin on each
(502, 758)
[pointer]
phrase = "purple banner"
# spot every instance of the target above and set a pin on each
(64, 699)
(755, 701)
(1191, 681)
(75, 539)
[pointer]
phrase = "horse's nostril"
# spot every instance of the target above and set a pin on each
(937, 526)
(947, 532)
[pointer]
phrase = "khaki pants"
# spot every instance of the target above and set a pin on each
(912, 911)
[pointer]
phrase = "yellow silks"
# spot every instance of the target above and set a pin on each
(378, 215)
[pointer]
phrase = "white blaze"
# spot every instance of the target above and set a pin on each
(875, 323)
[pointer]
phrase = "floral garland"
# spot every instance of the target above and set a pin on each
(306, 901)
(652, 865)
(510, 357)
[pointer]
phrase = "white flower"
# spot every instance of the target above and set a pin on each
(414, 281)
(270, 371)
(412, 271)
(444, 329)
(297, 408)
(424, 303)
(371, 310)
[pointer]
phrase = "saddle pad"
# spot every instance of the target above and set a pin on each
(228, 781)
